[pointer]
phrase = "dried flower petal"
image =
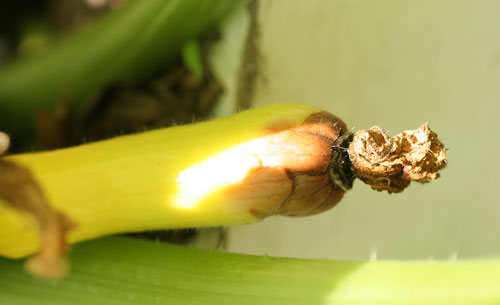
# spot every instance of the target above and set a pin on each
(391, 163)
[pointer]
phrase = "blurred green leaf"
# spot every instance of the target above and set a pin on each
(123, 46)
(191, 55)
(127, 271)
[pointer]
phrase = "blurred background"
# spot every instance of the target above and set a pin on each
(395, 64)
(78, 71)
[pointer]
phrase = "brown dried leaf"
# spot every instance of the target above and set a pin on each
(20, 191)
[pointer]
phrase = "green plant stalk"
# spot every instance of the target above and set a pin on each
(123, 46)
(126, 271)
(232, 170)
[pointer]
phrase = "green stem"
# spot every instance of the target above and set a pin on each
(124, 271)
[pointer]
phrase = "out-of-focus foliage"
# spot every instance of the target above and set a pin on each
(123, 46)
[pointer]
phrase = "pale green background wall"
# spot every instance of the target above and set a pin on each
(396, 64)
